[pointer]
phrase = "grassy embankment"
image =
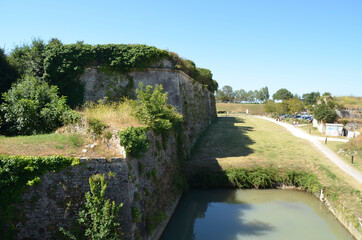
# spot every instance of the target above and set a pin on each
(253, 109)
(350, 102)
(69, 142)
(249, 142)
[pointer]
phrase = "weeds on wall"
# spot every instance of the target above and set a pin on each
(134, 140)
(16, 174)
(98, 217)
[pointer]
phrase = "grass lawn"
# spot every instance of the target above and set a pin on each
(246, 141)
(254, 109)
(357, 160)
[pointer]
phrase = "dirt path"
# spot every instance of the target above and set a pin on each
(326, 151)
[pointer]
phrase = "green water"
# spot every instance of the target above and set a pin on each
(252, 214)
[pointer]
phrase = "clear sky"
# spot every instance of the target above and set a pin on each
(301, 45)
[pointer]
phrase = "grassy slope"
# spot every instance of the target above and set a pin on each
(350, 102)
(249, 141)
(115, 116)
(254, 109)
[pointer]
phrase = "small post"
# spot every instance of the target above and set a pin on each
(352, 159)
(325, 141)
(309, 131)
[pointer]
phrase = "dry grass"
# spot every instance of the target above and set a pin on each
(350, 102)
(117, 115)
(253, 109)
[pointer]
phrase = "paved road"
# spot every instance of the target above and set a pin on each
(326, 151)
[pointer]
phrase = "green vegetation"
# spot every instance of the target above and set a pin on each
(201, 75)
(96, 125)
(33, 107)
(16, 174)
(325, 113)
(154, 111)
(136, 214)
(256, 177)
(98, 219)
(153, 220)
(227, 95)
(134, 141)
(282, 94)
(8, 73)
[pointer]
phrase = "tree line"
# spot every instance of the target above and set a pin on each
(284, 102)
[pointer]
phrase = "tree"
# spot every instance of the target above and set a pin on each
(270, 106)
(250, 97)
(295, 105)
(29, 59)
(31, 106)
(226, 94)
(263, 94)
(311, 98)
(324, 113)
(8, 73)
(282, 107)
(239, 96)
(282, 94)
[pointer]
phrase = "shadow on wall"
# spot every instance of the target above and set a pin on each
(224, 138)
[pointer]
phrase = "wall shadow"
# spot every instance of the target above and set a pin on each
(225, 138)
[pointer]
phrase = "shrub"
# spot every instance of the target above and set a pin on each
(31, 106)
(99, 215)
(154, 111)
(325, 113)
(134, 141)
(96, 125)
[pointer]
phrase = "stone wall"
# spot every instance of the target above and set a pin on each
(145, 184)
(189, 97)
(150, 184)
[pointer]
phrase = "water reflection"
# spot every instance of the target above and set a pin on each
(252, 214)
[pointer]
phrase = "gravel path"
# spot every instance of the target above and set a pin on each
(326, 151)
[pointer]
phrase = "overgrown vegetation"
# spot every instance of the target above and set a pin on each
(33, 107)
(257, 177)
(98, 218)
(16, 174)
(134, 140)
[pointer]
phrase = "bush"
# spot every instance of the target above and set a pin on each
(31, 106)
(134, 141)
(154, 111)
(99, 215)
(325, 113)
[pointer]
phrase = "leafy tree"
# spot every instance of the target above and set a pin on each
(99, 215)
(251, 96)
(29, 59)
(263, 94)
(270, 106)
(31, 106)
(8, 73)
(325, 113)
(226, 94)
(311, 98)
(282, 107)
(282, 94)
(295, 105)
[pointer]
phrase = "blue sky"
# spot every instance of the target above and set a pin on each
(301, 45)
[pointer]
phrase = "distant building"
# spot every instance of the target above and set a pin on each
(334, 129)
